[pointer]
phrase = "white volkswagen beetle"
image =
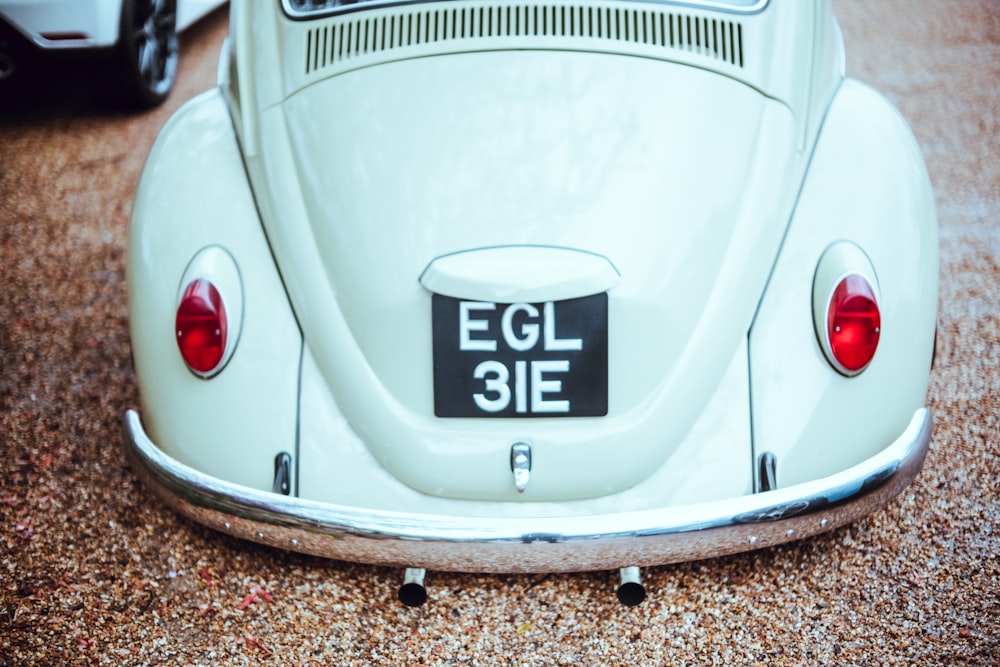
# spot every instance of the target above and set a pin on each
(139, 38)
(482, 285)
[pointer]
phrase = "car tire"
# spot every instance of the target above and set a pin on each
(146, 56)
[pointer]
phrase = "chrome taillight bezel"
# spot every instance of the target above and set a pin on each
(214, 266)
(844, 266)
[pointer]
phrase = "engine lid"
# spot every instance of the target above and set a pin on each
(682, 179)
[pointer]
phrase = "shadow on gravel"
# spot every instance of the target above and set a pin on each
(45, 85)
(54, 88)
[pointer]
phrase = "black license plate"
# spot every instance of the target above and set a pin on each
(521, 359)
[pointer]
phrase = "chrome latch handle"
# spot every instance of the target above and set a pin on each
(520, 464)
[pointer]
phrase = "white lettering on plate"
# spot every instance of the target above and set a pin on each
(541, 385)
(497, 377)
(529, 330)
(534, 385)
(467, 325)
(497, 386)
(521, 340)
(551, 342)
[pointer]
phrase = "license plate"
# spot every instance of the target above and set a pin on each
(521, 359)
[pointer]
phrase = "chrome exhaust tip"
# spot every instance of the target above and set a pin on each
(630, 589)
(412, 593)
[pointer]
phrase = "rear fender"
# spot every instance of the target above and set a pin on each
(194, 194)
(866, 184)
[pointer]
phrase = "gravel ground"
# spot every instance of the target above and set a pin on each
(94, 571)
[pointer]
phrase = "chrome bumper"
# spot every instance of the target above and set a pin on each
(560, 544)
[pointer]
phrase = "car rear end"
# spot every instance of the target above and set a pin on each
(532, 286)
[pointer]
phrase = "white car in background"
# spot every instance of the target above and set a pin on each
(139, 37)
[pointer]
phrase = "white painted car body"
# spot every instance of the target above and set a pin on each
(84, 24)
(692, 161)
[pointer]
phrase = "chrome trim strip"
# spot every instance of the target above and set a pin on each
(747, 8)
(543, 544)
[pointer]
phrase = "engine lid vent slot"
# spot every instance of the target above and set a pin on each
(401, 31)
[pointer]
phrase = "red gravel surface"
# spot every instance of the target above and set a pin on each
(93, 570)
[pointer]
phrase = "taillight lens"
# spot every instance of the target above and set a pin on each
(201, 327)
(853, 323)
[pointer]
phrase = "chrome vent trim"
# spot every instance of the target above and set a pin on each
(311, 9)
(339, 39)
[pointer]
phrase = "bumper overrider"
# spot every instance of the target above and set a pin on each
(543, 544)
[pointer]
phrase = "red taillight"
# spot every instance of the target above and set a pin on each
(853, 323)
(201, 327)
